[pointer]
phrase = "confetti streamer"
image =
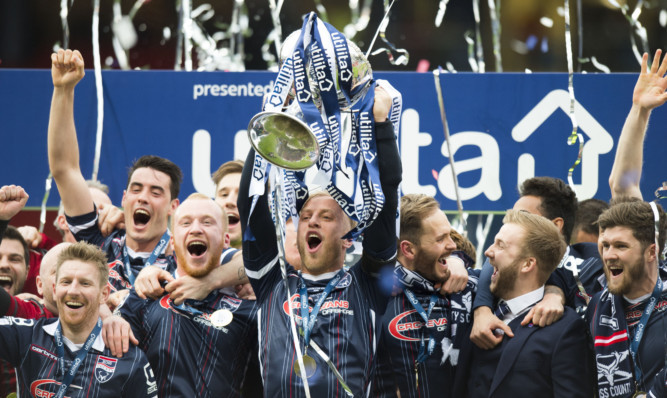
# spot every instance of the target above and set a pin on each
(98, 87)
(445, 127)
(47, 192)
(442, 8)
(275, 36)
(575, 136)
(321, 11)
(359, 18)
(580, 34)
(401, 59)
(124, 36)
(186, 7)
(494, 10)
(478, 39)
(639, 30)
(64, 11)
(471, 51)
(179, 37)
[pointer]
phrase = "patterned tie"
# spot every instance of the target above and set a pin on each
(501, 310)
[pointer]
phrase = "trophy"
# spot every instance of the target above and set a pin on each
(322, 74)
(281, 136)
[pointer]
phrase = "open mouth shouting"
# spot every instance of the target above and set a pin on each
(6, 282)
(141, 217)
(197, 248)
(313, 241)
(232, 220)
(615, 270)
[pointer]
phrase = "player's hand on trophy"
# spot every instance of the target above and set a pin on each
(382, 105)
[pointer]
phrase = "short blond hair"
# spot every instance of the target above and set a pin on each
(87, 253)
(542, 240)
(317, 194)
(201, 196)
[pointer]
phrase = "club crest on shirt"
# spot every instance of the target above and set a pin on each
(613, 381)
(104, 368)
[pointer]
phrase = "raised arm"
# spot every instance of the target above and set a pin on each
(12, 200)
(63, 148)
(649, 93)
(380, 238)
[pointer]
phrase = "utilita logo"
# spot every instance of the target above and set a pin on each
(401, 329)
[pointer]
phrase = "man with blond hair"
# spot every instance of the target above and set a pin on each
(200, 348)
(547, 361)
(67, 356)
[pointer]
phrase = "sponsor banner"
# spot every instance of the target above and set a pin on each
(505, 127)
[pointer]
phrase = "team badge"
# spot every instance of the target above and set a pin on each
(104, 368)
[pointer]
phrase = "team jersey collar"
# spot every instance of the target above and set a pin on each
(413, 280)
(50, 329)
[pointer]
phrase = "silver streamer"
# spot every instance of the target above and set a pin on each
(445, 127)
(481, 234)
(601, 67)
(321, 11)
(98, 86)
(123, 39)
(179, 37)
(479, 52)
(359, 18)
(474, 66)
(494, 11)
(222, 50)
(404, 56)
(639, 30)
(575, 136)
(64, 11)
(442, 8)
(186, 14)
(275, 36)
(47, 192)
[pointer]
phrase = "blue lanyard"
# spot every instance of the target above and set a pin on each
(308, 320)
(159, 248)
(423, 352)
(60, 350)
(641, 327)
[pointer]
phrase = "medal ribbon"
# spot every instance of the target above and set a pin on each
(308, 319)
(80, 356)
(641, 327)
(159, 249)
(423, 351)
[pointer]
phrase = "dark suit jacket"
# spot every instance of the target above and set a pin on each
(555, 361)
